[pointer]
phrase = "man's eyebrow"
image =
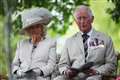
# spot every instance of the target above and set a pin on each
(82, 17)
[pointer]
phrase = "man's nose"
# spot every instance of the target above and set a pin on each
(81, 20)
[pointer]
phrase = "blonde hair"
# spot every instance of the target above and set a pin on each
(43, 33)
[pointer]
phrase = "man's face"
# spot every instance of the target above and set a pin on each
(83, 20)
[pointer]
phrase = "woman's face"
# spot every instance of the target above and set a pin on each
(36, 29)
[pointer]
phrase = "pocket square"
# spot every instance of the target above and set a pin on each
(95, 42)
(95, 47)
(101, 45)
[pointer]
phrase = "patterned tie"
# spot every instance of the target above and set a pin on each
(85, 37)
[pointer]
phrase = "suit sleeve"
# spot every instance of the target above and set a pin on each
(64, 62)
(16, 60)
(110, 59)
(48, 69)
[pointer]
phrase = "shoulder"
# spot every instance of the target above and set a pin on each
(50, 41)
(23, 42)
(72, 38)
(103, 36)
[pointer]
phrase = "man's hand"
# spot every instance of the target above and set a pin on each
(91, 72)
(70, 73)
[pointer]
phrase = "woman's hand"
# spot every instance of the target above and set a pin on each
(34, 38)
(20, 74)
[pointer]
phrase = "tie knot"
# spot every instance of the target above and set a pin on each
(85, 37)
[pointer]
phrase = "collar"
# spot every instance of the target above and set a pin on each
(89, 33)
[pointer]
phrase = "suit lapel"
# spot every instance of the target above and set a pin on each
(94, 34)
(79, 41)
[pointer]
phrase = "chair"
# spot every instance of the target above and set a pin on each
(113, 77)
(3, 77)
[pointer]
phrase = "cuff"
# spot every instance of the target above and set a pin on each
(14, 70)
(41, 74)
(98, 73)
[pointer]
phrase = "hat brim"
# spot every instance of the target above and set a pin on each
(23, 30)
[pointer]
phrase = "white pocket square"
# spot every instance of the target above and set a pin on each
(98, 46)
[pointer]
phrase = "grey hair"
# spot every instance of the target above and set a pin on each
(84, 7)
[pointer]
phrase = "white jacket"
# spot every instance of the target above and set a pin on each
(42, 57)
(101, 53)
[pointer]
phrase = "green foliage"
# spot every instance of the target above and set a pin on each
(3, 65)
(61, 9)
(64, 8)
(104, 23)
(115, 11)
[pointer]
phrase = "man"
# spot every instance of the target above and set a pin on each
(35, 57)
(86, 46)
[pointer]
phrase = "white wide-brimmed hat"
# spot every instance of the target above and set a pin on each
(35, 16)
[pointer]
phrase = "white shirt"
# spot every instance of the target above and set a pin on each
(89, 34)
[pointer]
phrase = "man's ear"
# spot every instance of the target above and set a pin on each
(92, 19)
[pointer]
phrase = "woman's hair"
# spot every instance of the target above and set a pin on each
(43, 33)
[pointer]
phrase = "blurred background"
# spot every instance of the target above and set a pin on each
(107, 20)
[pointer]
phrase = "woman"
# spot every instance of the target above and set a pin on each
(35, 57)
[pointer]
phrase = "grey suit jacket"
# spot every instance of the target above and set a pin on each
(100, 51)
(42, 57)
